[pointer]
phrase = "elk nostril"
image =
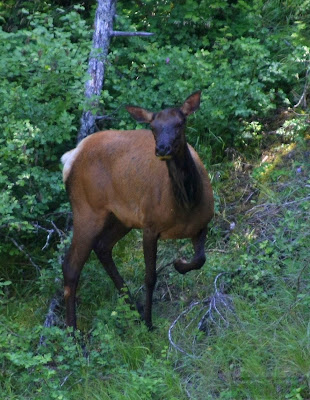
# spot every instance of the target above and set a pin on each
(160, 150)
(168, 150)
(163, 150)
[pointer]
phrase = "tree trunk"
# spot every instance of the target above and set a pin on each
(101, 39)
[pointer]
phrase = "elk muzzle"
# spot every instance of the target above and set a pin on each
(163, 152)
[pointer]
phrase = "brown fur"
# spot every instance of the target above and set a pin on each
(115, 183)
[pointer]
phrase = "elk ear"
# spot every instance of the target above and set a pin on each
(140, 114)
(191, 104)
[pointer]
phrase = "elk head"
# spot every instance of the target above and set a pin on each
(168, 126)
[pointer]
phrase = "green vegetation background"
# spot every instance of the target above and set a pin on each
(251, 61)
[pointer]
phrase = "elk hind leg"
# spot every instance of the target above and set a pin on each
(111, 233)
(84, 235)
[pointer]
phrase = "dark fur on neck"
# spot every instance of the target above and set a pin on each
(185, 180)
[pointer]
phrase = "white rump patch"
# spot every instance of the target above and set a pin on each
(68, 159)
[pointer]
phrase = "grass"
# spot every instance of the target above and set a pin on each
(262, 356)
(262, 352)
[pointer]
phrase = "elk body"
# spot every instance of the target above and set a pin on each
(119, 180)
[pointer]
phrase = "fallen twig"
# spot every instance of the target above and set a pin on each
(51, 318)
(189, 308)
(218, 306)
(273, 205)
(217, 251)
(65, 379)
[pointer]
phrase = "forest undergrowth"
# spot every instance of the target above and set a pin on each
(251, 302)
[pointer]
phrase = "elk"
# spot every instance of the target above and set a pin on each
(116, 182)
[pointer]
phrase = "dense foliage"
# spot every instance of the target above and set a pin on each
(251, 60)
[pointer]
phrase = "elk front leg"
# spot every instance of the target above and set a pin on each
(150, 252)
(199, 259)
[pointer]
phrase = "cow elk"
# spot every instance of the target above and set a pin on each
(152, 180)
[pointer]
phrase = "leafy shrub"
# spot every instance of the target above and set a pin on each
(114, 360)
(42, 72)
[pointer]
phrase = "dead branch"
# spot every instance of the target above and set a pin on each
(49, 232)
(21, 249)
(295, 201)
(303, 98)
(103, 32)
(216, 309)
(217, 251)
(66, 378)
(186, 311)
(275, 206)
(124, 33)
(52, 318)
(96, 66)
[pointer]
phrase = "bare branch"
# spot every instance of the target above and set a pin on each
(65, 379)
(103, 32)
(124, 33)
(217, 251)
(218, 307)
(303, 98)
(100, 117)
(276, 206)
(96, 67)
(51, 318)
(49, 232)
(189, 308)
(21, 249)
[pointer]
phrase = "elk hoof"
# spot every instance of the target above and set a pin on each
(180, 265)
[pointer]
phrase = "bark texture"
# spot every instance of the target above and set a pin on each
(101, 39)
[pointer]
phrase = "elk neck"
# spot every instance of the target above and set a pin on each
(185, 180)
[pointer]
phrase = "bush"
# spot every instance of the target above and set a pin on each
(42, 70)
